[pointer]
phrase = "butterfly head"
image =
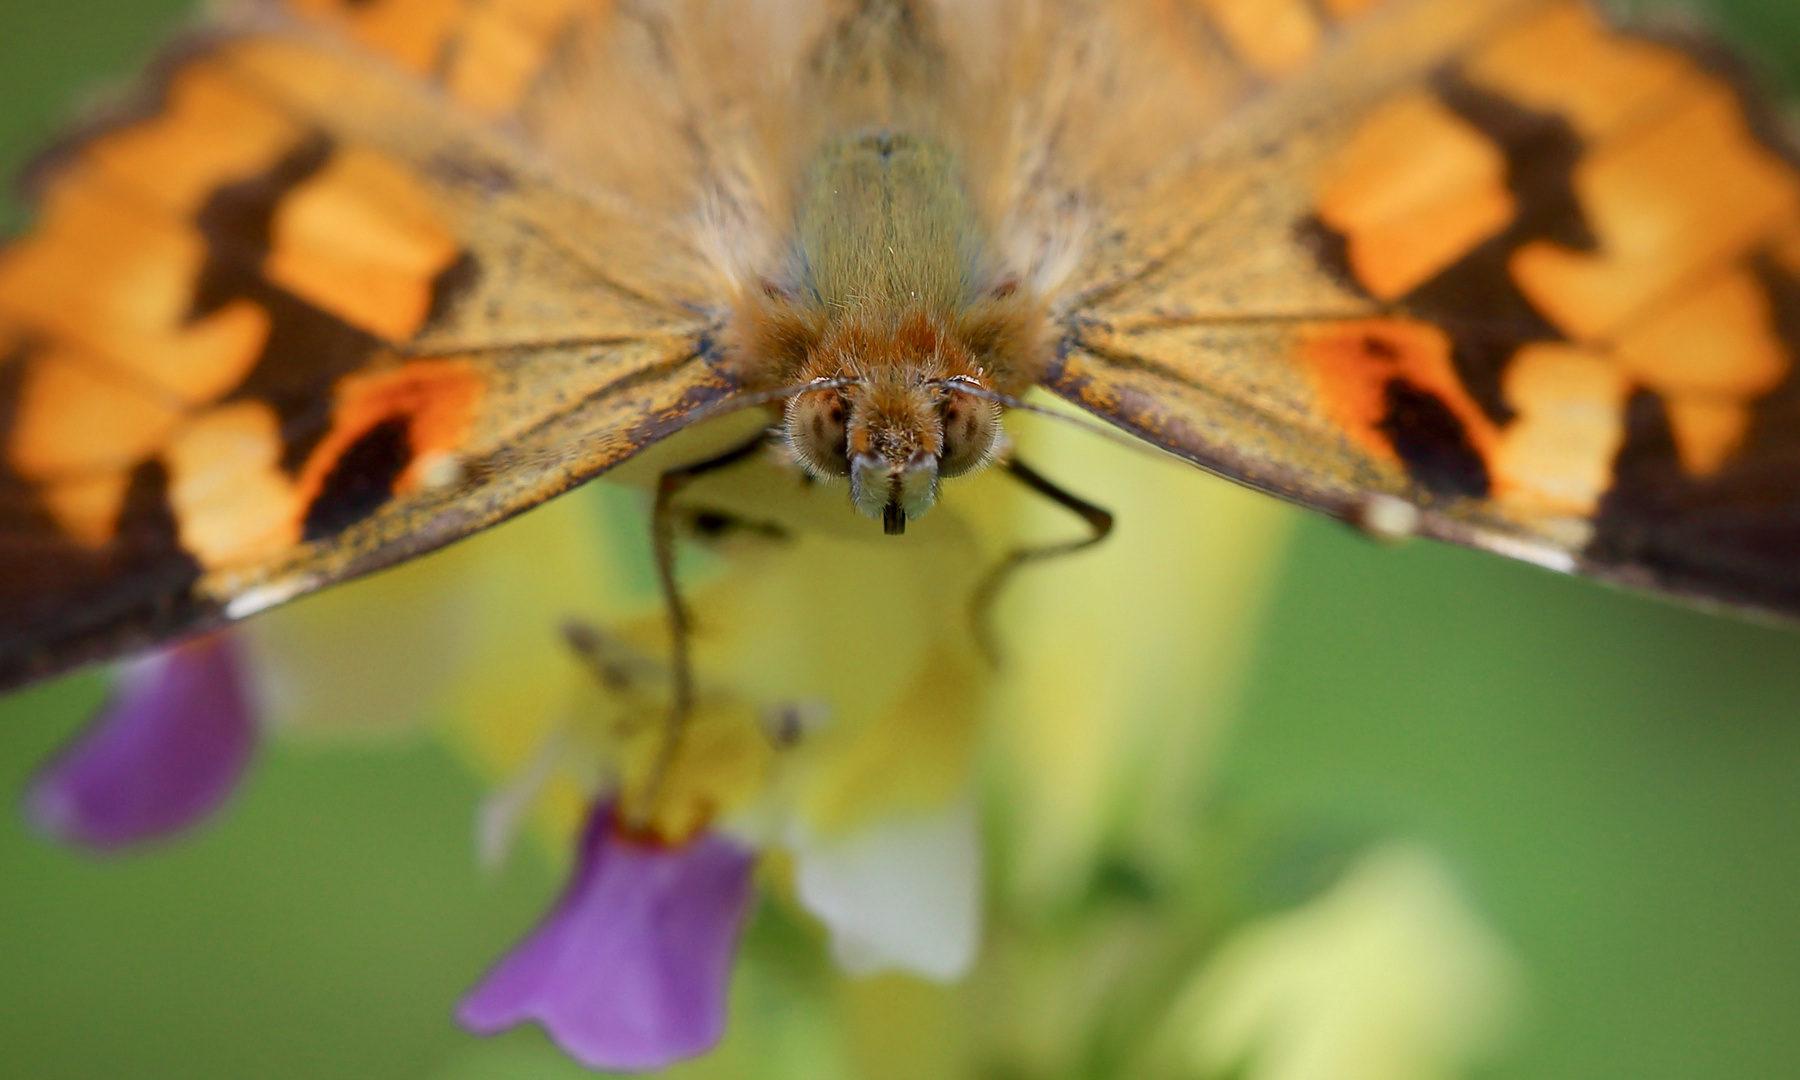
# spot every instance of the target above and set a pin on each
(894, 434)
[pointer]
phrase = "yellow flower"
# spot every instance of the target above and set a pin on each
(847, 726)
(1125, 661)
(1389, 976)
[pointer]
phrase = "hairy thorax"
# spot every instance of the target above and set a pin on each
(893, 323)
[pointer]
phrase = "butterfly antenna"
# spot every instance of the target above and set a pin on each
(751, 401)
(1110, 434)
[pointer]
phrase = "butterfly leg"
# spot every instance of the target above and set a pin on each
(615, 666)
(981, 601)
(664, 516)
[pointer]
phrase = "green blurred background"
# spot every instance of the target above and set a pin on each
(1617, 780)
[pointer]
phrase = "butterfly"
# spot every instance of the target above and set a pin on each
(346, 280)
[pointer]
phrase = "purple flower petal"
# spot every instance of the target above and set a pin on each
(164, 752)
(630, 970)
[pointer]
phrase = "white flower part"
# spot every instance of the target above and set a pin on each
(1389, 976)
(503, 813)
(902, 894)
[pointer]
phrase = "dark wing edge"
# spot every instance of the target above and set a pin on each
(206, 408)
(1684, 478)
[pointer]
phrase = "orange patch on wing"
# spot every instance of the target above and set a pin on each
(1707, 431)
(118, 278)
(210, 132)
(1415, 189)
(232, 502)
(1718, 341)
(1557, 454)
(412, 33)
(1352, 363)
(76, 417)
(1275, 37)
(86, 509)
(438, 400)
(502, 46)
(1665, 204)
(1567, 62)
(361, 240)
(1709, 357)
(1344, 9)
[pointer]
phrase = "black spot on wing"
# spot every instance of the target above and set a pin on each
(12, 384)
(1330, 249)
(307, 353)
(1475, 300)
(62, 604)
(238, 218)
(1541, 150)
(450, 286)
(147, 529)
(361, 480)
(1432, 442)
(1733, 537)
(308, 350)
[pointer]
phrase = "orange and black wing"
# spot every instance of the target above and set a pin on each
(301, 311)
(1534, 275)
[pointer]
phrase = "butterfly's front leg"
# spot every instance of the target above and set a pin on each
(664, 516)
(981, 602)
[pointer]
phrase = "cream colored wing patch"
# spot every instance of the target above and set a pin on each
(296, 321)
(1527, 271)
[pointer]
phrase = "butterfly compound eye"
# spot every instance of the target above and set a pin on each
(816, 430)
(971, 431)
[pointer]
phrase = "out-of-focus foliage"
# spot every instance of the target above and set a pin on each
(1262, 801)
(1386, 976)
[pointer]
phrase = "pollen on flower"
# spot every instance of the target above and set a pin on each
(725, 755)
(792, 746)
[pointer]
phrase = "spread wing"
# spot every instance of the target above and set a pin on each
(321, 300)
(1533, 275)
(307, 307)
